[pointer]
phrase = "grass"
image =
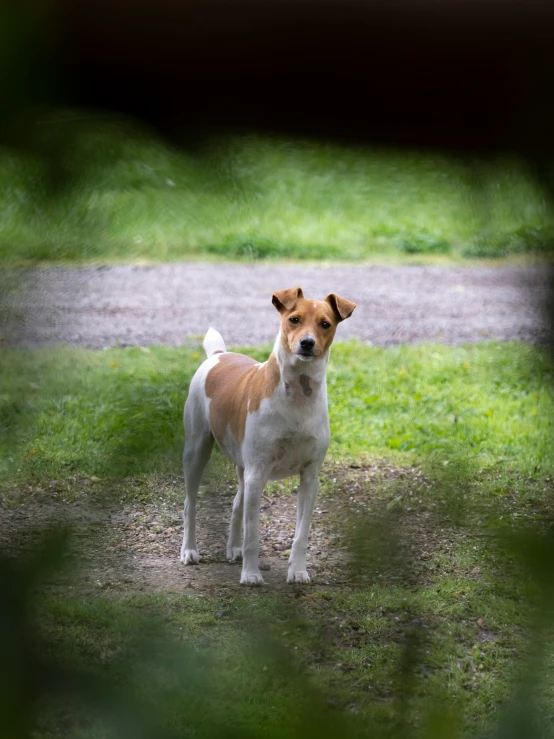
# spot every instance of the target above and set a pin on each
(118, 411)
(93, 190)
(334, 657)
(260, 686)
(211, 643)
(432, 644)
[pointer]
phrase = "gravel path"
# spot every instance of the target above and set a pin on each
(174, 304)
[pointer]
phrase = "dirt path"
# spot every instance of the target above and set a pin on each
(135, 546)
(174, 304)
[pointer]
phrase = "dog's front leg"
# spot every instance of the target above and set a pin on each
(253, 488)
(307, 492)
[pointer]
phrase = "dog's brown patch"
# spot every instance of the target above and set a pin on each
(236, 385)
(305, 382)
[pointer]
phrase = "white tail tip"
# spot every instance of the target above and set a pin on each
(213, 342)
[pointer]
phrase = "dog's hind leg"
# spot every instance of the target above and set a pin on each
(196, 454)
(234, 543)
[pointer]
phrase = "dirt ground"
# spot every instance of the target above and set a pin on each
(174, 304)
(134, 547)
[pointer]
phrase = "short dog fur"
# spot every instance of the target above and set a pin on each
(270, 419)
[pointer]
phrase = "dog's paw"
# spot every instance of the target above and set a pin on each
(300, 576)
(234, 554)
(190, 557)
(251, 578)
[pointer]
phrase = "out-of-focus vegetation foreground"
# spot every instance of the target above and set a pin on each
(430, 611)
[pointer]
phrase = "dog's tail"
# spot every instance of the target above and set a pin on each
(213, 342)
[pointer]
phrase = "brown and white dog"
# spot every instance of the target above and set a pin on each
(269, 418)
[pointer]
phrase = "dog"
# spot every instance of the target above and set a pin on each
(270, 419)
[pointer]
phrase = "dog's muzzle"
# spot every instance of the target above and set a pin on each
(306, 348)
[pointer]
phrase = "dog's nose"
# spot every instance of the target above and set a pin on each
(307, 344)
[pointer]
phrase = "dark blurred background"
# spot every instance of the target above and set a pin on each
(461, 76)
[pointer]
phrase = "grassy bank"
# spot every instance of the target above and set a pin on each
(106, 191)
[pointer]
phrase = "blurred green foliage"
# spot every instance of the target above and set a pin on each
(88, 187)
(380, 657)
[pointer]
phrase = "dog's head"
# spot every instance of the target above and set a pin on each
(308, 326)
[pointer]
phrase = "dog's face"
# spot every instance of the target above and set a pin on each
(308, 326)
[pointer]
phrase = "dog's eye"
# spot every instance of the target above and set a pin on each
(325, 324)
(294, 319)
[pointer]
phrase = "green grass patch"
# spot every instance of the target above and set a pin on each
(109, 191)
(371, 660)
(209, 667)
(119, 411)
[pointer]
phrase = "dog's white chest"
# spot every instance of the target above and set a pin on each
(284, 439)
(290, 455)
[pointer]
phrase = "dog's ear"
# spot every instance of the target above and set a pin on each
(342, 307)
(286, 299)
